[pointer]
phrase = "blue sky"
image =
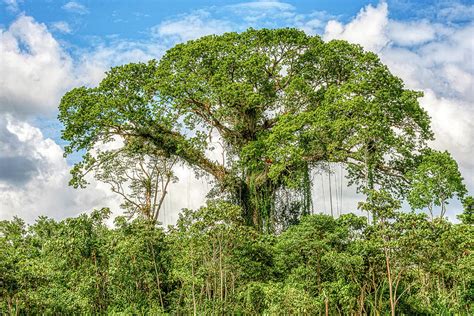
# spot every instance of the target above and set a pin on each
(49, 47)
(133, 19)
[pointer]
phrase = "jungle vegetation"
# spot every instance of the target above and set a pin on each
(212, 262)
(281, 105)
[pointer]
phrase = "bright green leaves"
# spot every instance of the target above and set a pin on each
(139, 267)
(380, 204)
(316, 258)
(211, 262)
(282, 103)
(356, 113)
(126, 108)
(213, 251)
(80, 266)
(123, 101)
(434, 181)
(230, 82)
(467, 215)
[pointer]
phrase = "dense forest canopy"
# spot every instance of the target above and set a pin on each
(282, 104)
(211, 262)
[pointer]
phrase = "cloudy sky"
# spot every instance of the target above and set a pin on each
(49, 46)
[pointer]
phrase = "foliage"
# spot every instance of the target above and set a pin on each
(467, 216)
(280, 102)
(435, 180)
(80, 266)
(215, 254)
(210, 262)
(140, 178)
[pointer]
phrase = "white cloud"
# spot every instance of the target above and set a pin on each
(75, 7)
(61, 26)
(191, 26)
(452, 122)
(188, 192)
(12, 5)
(263, 5)
(44, 191)
(411, 33)
(92, 64)
(460, 80)
(35, 70)
(455, 11)
(368, 28)
(313, 23)
(236, 18)
(264, 12)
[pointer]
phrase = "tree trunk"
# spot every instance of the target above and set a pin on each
(255, 202)
(326, 303)
(257, 194)
(158, 283)
(389, 276)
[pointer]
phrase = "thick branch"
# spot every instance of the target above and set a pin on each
(203, 110)
(173, 143)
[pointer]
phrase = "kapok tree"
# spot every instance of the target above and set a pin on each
(281, 102)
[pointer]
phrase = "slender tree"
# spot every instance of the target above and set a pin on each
(435, 181)
(140, 178)
(467, 215)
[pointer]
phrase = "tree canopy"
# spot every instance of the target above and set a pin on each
(434, 181)
(211, 262)
(281, 103)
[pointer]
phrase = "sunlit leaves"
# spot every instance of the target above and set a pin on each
(435, 181)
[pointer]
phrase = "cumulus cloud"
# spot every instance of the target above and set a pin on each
(75, 7)
(368, 28)
(92, 64)
(35, 70)
(15, 167)
(263, 5)
(453, 124)
(238, 17)
(313, 23)
(262, 11)
(402, 33)
(455, 11)
(35, 178)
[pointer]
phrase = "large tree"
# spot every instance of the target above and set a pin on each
(281, 103)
